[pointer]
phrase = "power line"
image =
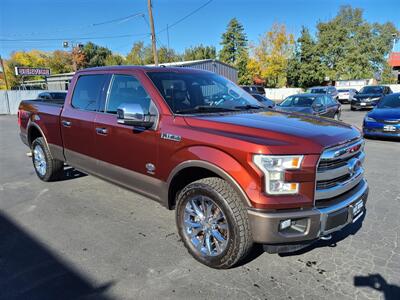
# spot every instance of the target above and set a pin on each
(185, 17)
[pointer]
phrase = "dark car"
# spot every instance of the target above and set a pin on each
(369, 96)
(254, 89)
(327, 90)
(315, 104)
(264, 100)
(384, 119)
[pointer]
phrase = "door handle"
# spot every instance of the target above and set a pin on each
(66, 123)
(102, 131)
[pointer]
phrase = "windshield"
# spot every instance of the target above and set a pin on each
(201, 92)
(298, 101)
(318, 91)
(371, 90)
(392, 101)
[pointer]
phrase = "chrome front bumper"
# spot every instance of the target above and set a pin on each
(320, 220)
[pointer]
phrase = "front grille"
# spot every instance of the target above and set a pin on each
(390, 122)
(339, 170)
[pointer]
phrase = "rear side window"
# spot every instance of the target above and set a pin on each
(87, 92)
(127, 89)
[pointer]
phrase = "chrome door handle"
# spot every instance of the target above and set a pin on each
(66, 123)
(101, 130)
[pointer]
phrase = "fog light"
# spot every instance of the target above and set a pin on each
(285, 224)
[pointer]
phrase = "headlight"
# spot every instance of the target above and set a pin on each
(369, 119)
(274, 168)
(374, 99)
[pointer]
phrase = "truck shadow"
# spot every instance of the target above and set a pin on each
(28, 270)
(377, 282)
(71, 173)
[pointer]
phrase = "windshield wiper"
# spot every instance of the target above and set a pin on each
(248, 106)
(204, 109)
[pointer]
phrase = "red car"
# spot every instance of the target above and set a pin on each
(235, 172)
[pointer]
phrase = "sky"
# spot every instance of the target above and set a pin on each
(44, 24)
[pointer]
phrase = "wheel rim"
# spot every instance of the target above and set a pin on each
(39, 160)
(206, 226)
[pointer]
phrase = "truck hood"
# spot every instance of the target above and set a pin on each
(285, 132)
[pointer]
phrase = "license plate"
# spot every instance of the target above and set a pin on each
(389, 128)
(358, 209)
(363, 104)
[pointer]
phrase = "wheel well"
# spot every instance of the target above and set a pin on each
(183, 178)
(33, 134)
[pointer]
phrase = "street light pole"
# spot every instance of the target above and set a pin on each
(153, 34)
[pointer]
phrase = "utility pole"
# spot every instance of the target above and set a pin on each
(7, 87)
(153, 34)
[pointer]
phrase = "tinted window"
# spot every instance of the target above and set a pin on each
(60, 96)
(126, 89)
(260, 89)
(87, 92)
(371, 90)
(319, 101)
(246, 88)
(298, 101)
(318, 91)
(343, 91)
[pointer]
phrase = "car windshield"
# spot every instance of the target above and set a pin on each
(190, 93)
(298, 101)
(318, 91)
(392, 101)
(371, 90)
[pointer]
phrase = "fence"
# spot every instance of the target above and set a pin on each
(280, 94)
(9, 100)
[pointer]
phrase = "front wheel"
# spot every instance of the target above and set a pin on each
(213, 223)
(47, 168)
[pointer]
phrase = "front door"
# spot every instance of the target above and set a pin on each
(127, 155)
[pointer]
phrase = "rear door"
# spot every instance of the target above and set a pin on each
(127, 155)
(77, 121)
(331, 106)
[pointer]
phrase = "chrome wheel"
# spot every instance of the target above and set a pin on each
(205, 226)
(39, 160)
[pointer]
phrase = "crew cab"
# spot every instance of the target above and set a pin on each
(235, 172)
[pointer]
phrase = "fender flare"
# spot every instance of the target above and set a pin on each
(213, 168)
(29, 128)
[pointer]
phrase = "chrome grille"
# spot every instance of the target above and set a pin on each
(339, 170)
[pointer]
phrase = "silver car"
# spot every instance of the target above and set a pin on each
(346, 95)
(327, 90)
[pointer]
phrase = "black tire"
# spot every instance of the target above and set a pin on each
(337, 116)
(54, 168)
(239, 240)
(352, 108)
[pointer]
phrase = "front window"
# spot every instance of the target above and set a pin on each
(371, 90)
(318, 91)
(188, 93)
(298, 101)
(392, 101)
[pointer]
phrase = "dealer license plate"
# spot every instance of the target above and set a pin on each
(358, 210)
(389, 128)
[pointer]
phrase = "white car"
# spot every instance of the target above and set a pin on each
(346, 95)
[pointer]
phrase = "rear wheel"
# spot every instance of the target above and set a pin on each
(47, 168)
(213, 223)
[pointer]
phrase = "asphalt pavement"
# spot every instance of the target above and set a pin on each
(85, 238)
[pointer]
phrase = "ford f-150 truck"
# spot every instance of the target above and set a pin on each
(235, 172)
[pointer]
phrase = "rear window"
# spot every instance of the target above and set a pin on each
(87, 92)
(343, 91)
(260, 89)
(318, 91)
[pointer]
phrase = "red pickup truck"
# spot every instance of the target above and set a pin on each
(235, 172)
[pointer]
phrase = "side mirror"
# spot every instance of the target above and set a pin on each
(133, 114)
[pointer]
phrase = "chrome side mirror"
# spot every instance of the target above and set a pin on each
(133, 114)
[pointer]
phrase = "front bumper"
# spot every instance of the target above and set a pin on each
(321, 220)
(376, 129)
(362, 105)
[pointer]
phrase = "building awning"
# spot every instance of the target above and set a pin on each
(394, 59)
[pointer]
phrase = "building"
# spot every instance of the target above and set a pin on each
(394, 63)
(62, 81)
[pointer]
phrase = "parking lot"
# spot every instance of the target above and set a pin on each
(83, 237)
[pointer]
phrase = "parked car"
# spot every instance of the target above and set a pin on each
(264, 100)
(235, 172)
(52, 96)
(254, 89)
(346, 95)
(384, 119)
(313, 104)
(369, 96)
(327, 90)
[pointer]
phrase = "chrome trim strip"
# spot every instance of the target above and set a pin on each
(335, 152)
(340, 188)
(337, 172)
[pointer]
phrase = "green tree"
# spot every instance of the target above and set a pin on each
(60, 62)
(114, 60)
(235, 50)
(352, 48)
(199, 52)
(95, 55)
(166, 55)
(305, 68)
